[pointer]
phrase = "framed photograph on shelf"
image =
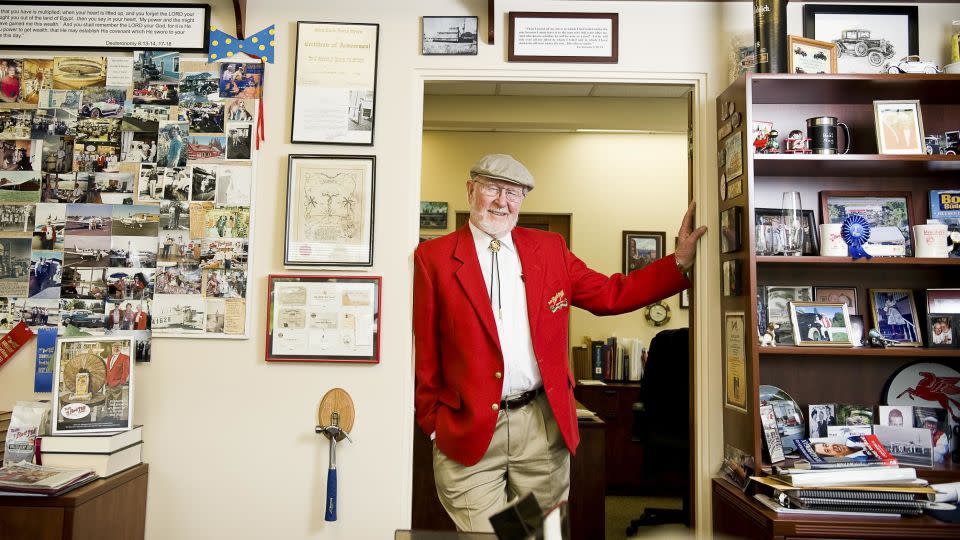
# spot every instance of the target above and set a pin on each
(889, 214)
(776, 300)
(942, 329)
(446, 36)
(768, 238)
(895, 316)
(899, 127)
(868, 37)
(811, 56)
(943, 300)
(93, 384)
(817, 324)
(323, 318)
(641, 248)
(563, 37)
(837, 295)
(433, 215)
(335, 83)
(329, 210)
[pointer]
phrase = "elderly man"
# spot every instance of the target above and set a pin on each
(491, 309)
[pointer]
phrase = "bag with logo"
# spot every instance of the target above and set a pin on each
(30, 420)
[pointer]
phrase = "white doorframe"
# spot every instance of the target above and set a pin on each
(704, 385)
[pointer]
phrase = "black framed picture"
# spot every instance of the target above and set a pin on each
(942, 330)
(869, 38)
(329, 210)
(769, 241)
(641, 248)
(449, 36)
(331, 103)
(433, 215)
(730, 234)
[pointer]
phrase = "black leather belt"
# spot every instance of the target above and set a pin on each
(521, 400)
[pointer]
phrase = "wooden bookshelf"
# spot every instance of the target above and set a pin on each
(889, 352)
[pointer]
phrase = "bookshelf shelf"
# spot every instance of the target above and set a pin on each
(814, 166)
(846, 261)
(899, 352)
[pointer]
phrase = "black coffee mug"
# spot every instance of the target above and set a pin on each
(822, 132)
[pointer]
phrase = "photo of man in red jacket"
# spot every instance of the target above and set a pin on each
(491, 308)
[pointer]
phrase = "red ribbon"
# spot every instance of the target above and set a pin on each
(17, 337)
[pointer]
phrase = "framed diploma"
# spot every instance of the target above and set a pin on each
(323, 318)
(734, 366)
(335, 82)
(563, 37)
(329, 210)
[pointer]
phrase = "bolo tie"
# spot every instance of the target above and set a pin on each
(494, 247)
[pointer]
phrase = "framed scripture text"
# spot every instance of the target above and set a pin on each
(335, 82)
(563, 37)
(323, 318)
(329, 210)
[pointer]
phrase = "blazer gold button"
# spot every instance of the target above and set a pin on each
(495, 406)
(498, 375)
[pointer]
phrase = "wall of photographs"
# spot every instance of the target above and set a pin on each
(125, 194)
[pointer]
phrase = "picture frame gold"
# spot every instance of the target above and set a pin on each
(811, 56)
(900, 320)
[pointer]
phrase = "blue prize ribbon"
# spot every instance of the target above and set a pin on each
(855, 232)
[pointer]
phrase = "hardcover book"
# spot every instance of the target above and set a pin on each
(945, 208)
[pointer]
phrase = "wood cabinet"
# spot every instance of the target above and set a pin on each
(113, 508)
(613, 403)
(831, 374)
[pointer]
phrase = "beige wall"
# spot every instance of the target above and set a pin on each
(608, 182)
(229, 438)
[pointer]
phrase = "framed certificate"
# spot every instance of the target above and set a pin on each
(329, 211)
(335, 82)
(323, 318)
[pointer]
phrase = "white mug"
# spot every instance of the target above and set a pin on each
(931, 240)
(831, 241)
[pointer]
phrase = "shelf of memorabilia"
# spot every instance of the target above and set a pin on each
(899, 352)
(822, 165)
(847, 261)
(852, 89)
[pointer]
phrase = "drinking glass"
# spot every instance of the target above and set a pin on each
(791, 224)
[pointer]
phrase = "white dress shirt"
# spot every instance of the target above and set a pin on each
(520, 369)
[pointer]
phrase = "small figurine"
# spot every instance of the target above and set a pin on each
(796, 143)
(769, 339)
(772, 147)
(877, 340)
(760, 143)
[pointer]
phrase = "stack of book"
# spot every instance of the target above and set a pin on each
(4, 424)
(28, 479)
(105, 454)
(855, 475)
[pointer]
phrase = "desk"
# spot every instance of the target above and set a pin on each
(739, 516)
(113, 508)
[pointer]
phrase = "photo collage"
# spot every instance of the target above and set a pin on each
(125, 210)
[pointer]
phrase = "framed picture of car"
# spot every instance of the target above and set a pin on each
(868, 37)
(811, 56)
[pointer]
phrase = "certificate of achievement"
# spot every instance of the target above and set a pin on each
(735, 368)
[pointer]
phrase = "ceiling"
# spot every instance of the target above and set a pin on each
(554, 89)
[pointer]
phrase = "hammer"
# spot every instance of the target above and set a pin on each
(335, 433)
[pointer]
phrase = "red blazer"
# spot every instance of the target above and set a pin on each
(120, 372)
(457, 348)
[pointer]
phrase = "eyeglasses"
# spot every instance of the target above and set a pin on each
(492, 190)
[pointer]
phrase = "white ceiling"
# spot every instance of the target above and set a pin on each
(551, 89)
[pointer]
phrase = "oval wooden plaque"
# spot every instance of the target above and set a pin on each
(337, 400)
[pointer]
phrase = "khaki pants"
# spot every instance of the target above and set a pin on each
(527, 454)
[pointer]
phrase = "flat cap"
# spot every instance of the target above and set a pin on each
(931, 419)
(502, 167)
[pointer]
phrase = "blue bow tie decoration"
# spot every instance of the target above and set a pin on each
(855, 232)
(259, 45)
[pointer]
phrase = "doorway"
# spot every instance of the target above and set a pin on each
(543, 123)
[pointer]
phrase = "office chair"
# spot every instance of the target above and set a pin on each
(661, 421)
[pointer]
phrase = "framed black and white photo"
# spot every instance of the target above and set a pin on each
(335, 82)
(895, 316)
(329, 210)
(641, 248)
(433, 215)
(454, 36)
(868, 37)
(899, 127)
